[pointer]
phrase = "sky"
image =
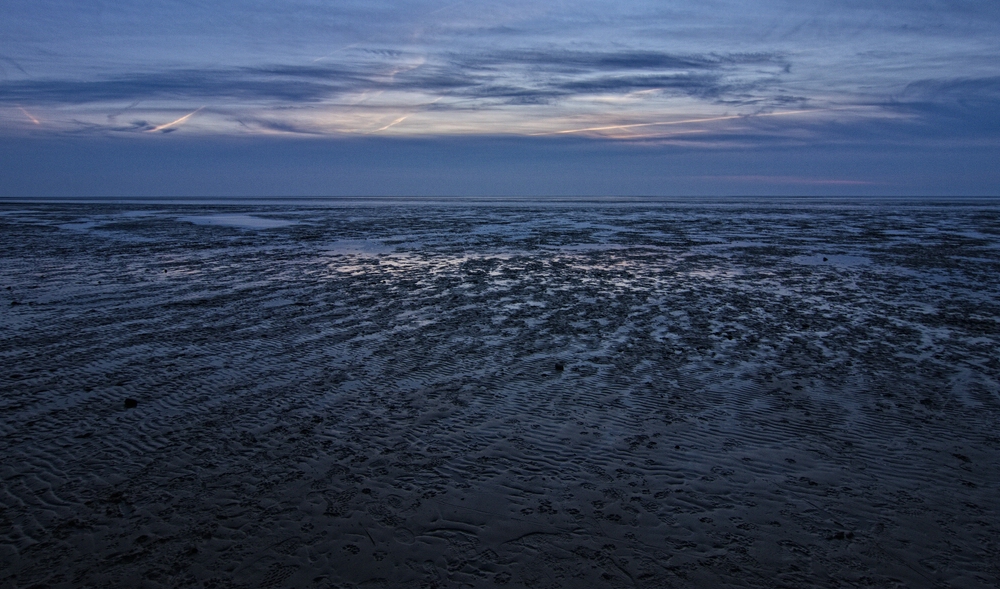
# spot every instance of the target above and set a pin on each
(507, 97)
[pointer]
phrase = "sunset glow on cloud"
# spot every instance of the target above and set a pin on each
(720, 74)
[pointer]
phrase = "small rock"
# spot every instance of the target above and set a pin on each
(559, 367)
(131, 403)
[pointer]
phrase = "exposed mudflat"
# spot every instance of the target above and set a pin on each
(751, 395)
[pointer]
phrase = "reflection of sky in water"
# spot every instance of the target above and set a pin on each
(357, 247)
(832, 259)
(78, 226)
(241, 221)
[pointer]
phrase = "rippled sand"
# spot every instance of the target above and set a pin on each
(751, 395)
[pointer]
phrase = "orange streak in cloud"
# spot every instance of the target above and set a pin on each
(684, 122)
(392, 124)
(656, 135)
(28, 114)
(179, 121)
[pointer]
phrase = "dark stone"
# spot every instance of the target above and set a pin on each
(559, 366)
(131, 403)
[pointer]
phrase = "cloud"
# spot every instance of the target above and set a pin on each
(521, 69)
(10, 63)
(581, 61)
(971, 91)
(237, 84)
(515, 77)
(690, 84)
(383, 95)
(953, 105)
(539, 76)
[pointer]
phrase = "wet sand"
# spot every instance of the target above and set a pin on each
(720, 395)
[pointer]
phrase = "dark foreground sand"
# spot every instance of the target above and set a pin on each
(368, 397)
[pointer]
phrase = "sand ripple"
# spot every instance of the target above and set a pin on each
(732, 409)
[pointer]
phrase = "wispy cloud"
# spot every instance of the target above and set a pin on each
(555, 60)
(513, 66)
(318, 98)
(8, 62)
(180, 85)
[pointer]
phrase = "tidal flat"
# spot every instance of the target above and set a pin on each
(730, 393)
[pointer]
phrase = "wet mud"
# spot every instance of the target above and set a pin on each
(718, 395)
